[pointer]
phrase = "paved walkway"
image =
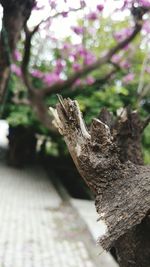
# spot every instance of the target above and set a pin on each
(37, 229)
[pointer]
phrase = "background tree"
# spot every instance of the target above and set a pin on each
(95, 69)
(15, 16)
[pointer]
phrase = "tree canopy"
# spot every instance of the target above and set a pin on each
(102, 59)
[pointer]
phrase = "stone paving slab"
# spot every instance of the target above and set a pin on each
(37, 229)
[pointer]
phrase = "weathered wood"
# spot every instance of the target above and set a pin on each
(121, 187)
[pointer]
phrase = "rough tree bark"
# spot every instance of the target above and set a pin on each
(15, 15)
(108, 157)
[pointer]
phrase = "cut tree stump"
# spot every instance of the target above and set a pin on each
(109, 158)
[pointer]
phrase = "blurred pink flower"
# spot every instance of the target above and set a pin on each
(66, 46)
(78, 30)
(124, 33)
(51, 78)
(76, 67)
(16, 70)
(90, 80)
(128, 78)
(73, 55)
(81, 51)
(53, 4)
(78, 82)
(17, 55)
(100, 7)
(89, 58)
(125, 64)
(77, 52)
(37, 74)
(64, 14)
(145, 3)
(59, 66)
(92, 16)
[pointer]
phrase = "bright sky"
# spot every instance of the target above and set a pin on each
(61, 26)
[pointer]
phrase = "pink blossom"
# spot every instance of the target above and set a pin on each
(90, 80)
(17, 55)
(66, 46)
(116, 58)
(124, 33)
(145, 3)
(125, 64)
(74, 55)
(100, 7)
(64, 14)
(76, 67)
(59, 66)
(146, 26)
(16, 70)
(51, 78)
(77, 83)
(37, 74)
(78, 30)
(89, 58)
(53, 4)
(128, 78)
(81, 51)
(92, 16)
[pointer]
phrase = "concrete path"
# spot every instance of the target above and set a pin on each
(37, 229)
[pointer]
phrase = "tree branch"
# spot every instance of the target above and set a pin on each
(57, 15)
(97, 64)
(26, 58)
(36, 99)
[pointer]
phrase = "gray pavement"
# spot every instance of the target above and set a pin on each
(38, 229)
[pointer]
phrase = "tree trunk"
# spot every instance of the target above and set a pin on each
(109, 159)
(15, 15)
(22, 146)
